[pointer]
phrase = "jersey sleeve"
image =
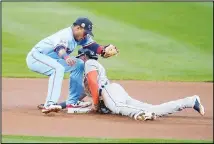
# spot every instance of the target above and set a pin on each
(92, 80)
(62, 43)
(90, 66)
(89, 43)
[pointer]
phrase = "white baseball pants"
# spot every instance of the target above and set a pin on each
(119, 102)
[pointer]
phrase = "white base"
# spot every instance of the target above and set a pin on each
(78, 110)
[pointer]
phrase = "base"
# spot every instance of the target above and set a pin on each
(78, 110)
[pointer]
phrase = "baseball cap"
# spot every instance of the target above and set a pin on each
(84, 23)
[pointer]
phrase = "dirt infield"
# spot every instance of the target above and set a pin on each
(21, 117)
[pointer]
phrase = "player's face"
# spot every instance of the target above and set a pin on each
(84, 58)
(79, 33)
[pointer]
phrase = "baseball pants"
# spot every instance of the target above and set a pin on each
(119, 102)
(55, 69)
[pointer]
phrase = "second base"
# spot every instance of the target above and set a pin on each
(78, 110)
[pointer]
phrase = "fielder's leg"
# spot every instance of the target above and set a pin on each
(44, 64)
(75, 85)
(62, 104)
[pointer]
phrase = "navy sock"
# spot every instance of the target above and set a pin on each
(63, 105)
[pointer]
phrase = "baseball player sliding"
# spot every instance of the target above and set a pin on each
(50, 57)
(117, 100)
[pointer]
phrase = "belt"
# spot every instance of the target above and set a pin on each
(102, 86)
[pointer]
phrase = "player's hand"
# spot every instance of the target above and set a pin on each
(94, 109)
(70, 61)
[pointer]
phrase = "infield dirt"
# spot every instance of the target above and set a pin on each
(20, 115)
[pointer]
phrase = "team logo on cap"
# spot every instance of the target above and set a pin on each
(83, 25)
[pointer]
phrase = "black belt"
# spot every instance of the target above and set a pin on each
(102, 86)
(100, 92)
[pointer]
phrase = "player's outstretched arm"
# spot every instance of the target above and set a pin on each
(93, 88)
(104, 51)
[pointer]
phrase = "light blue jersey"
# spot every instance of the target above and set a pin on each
(63, 37)
(44, 60)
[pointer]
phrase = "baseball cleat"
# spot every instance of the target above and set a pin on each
(51, 108)
(79, 107)
(198, 106)
(143, 116)
(40, 107)
(79, 104)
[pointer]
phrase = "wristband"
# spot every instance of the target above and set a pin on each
(99, 50)
(65, 56)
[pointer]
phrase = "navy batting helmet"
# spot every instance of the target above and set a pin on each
(89, 53)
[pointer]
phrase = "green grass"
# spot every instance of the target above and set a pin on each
(169, 41)
(40, 139)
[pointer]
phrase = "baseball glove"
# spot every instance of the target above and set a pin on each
(102, 108)
(109, 50)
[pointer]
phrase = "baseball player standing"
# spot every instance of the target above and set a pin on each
(50, 57)
(118, 100)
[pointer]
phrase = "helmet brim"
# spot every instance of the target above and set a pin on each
(79, 55)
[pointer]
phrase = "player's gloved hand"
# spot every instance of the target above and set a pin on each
(109, 50)
(70, 61)
(102, 108)
(104, 111)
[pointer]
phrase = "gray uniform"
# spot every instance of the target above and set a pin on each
(119, 102)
